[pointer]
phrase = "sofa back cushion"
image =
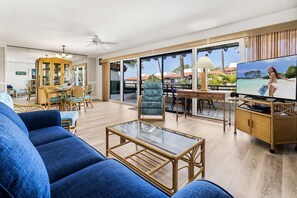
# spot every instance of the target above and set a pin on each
(6, 99)
(14, 117)
(23, 173)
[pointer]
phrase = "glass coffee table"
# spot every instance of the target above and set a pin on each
(155, 148)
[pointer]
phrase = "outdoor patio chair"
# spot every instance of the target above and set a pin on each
(152, 103)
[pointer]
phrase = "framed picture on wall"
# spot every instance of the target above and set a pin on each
(33, 73)
(21, 73)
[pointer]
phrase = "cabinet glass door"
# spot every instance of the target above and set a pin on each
(46, 74)
(67, 76)
(57, 74)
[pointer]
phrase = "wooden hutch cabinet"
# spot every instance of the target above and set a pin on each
(51, 72)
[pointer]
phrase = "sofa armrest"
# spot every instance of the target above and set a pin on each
(202, 188)
(41, 119)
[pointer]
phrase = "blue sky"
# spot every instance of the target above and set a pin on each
(280, 64)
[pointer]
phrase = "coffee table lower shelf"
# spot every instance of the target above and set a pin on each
(149, 160)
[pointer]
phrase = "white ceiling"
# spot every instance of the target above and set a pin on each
(47, 24)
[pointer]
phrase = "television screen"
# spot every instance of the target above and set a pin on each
(274, 78)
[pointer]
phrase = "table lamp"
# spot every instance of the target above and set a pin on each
(204, 63)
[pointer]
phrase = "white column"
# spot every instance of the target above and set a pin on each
(121, 81)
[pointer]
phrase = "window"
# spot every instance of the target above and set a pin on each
(149, 66)
(225, 58)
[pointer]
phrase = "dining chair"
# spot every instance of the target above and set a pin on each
(77, 97)
(31, 92)
(88, 94)
(51, 97)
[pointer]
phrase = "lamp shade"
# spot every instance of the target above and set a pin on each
(204, 62)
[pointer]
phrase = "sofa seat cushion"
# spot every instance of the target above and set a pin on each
(151, 111)
(55, 99)
(14, 117)
(66, 156)
(47, 135)
(22, 171)
(151, 105)
(108, 178)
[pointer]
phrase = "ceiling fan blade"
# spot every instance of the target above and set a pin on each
(105, 46)
(110, 43)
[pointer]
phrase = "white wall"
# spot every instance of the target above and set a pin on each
(22, 59)
(2, 68)
(92, 74)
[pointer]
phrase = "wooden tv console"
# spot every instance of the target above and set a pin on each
(274, 122)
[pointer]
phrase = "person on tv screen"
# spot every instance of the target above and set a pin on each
(272, 84)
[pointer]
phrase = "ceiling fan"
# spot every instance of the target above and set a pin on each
(97, 41)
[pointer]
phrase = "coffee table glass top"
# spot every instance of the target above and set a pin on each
(165, 139)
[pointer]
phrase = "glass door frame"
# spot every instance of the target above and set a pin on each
(242, 58)
(122, 80)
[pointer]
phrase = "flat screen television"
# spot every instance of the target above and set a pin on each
(251, 76)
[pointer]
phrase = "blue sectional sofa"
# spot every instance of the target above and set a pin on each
(39, 158)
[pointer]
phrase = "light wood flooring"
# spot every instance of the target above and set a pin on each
(241, 164)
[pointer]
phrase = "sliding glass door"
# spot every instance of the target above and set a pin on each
(150, 65)
(177, 74)
(130, 81)
(222, 78)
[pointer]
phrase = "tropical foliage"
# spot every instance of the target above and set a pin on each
(153, 78)
(178, 69)
(215, 80)
(291, 72)
(223, 79)
(228, 78)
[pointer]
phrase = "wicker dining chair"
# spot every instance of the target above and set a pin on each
(77, 97)
(88, 94)
(51, 98)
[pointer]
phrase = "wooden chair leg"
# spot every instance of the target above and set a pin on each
(91, 103)
(85, 106)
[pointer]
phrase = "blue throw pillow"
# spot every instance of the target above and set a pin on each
(22, 171)
(14, 117)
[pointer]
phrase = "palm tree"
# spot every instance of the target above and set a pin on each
(182, 66)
